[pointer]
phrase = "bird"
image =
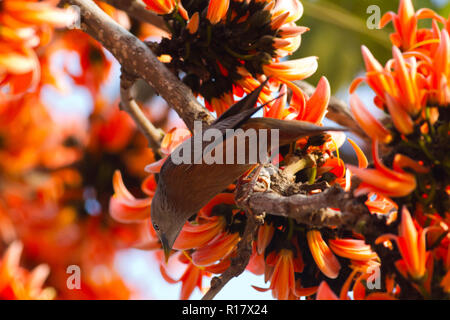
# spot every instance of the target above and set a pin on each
(184, 188)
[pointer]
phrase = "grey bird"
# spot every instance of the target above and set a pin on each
(183, 189)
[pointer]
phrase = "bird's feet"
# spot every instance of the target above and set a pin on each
(254, 180)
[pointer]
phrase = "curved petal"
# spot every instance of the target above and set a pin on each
(316, 106)
(124, 207)
(325, 293)
(367, 122)
(323, 256)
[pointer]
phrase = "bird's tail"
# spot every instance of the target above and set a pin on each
(289, 130)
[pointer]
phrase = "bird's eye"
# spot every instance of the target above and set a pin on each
(155, 226)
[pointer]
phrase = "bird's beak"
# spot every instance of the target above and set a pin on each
(166, 247)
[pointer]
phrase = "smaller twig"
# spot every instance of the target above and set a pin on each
(239, 262)
(244, 247)
(129, 105)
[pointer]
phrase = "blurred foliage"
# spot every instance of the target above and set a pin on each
(338, 29)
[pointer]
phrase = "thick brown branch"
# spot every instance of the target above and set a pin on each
(137, 10)
(338, 111)
(312, 210)
(136, 58)
(129, 105)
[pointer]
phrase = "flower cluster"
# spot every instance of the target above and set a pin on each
(55, 178)
(224, 49)
(63, 194)
(25, 25)
(54, 195)
(17, 283)
(286, 252)
(413, 89)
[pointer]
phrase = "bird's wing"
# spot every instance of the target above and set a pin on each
(245, 104)
(289, 130)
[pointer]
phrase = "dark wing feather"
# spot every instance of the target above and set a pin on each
(245, 104)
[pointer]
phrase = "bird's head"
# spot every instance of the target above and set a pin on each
(166, 221)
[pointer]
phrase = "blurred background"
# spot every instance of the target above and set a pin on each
(57, 205)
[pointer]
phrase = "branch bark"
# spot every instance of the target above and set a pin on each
(137, 59)
(313, 210)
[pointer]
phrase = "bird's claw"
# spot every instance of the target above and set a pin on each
(257, 182)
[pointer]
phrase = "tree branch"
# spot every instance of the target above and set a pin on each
(312, 210)
(129, 105)
(137, 10)
(333, 207)
(136, 58)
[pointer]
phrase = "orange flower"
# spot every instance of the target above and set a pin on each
(375, 77)
(294, 8)
(405, 24)
(359, 289)
(257, 263)
(312, 109)
(398, 86)
(196, 235)
(410, 96)
(287, 71)
(371, 126)
(352, 249)
(193, 275)
(282, 267)
(412, 245)
(17, 283)
(25, 25)
(265, 234)
(282, 281)
(218, 249)
(277, 108)
(240, 69)
(362, 159)
(317, 104)
(95, 65)
(112, 133)
(124, 207)
(193, 23)
(191, 278)
(440, 78)
(390, 183)
(323, 256)
(381, 205)
(170, 142)
(161, 6)
(217, 10)
(324, 292)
